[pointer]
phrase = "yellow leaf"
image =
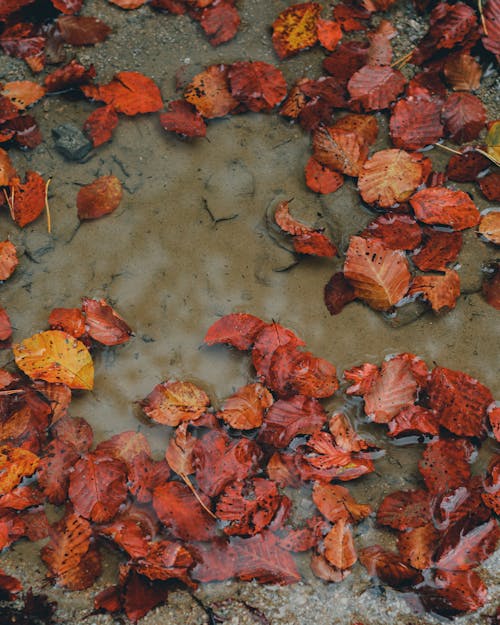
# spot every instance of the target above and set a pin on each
(493, 140)
(56, 356)
(15, 463)
(295, 28)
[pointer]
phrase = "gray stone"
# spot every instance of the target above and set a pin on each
(71, 142)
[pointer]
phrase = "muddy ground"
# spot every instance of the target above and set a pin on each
(171, 269)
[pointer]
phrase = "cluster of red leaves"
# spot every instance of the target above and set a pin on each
(446, 527)
(213, 509)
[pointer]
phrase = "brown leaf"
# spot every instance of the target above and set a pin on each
(171, 402)
(439, 205)
(441, 291)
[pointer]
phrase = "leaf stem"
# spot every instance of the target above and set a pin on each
(448, 149)
(47, 209)
(188, 483)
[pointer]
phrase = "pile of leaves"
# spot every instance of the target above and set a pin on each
(216, 507)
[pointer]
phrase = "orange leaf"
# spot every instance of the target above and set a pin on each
(5, 325)
(15, 464)
(322, 179)
(7, 170)
(365, 126)
(220, 21)
(258, 85)
(339, 546)
(462, 72)
(23, 93)
(8, 259)
(389, 177)
(387, 566)
(341, 150)
(329, 33)
(70, 320)
(418, 546)
(99, 198)
(379, 276)
(129, 92)
(489, 227)
(439, 249)
(306, 240)
(336, 503)
(245, 409)
(295, 28)
(56, 356)
(29, 198)
(128, 4)
(100, 124)
(209, 92)
(184, 119)
(179, 452)
(439, 205)
(71, 75)
(237, 329)
(170, 403)
(104, 324)
(69, 542)
(441, 291)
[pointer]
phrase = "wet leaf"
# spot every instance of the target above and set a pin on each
(170, 403)
(403, 510)
(397, 232)
(237, 329)
(329, 33)
(416, 122)
(413, 419)
(340, 150)
(103, 323)
(389, 177)
(460, 401)
(129, 92)
(209, 92)
(379, 276)
(128, 4)
(464, 116)
(248, 506)
(53, 471)
(71, 75)
(178, 509)
(388, 567)
(338, 293)
(464, 547)
(166, 560)
(7, 170)
(179, 453)
(462, 72)
(489, 227)
(183, 118)
(451, 592)
(5, 325)
(295, 28)
(493, 139)
(445, 464)
(466, 166)
(491, 21)
(441, 291)
(8, 259)
(29, 198)
(56, 356)
(490, 185)
(339, 546)
(100, 124)
(144, 475)
(439, 249)
(70, 320)
(375, 87)
(245, 409)
(418, 545)
(124, 446)
(100, 197)
(322, 179)
(22, 93)
(76, 431)
(267, 341)
(98, 487)
(25, 132)
(82, 30)
(336, 503)
(220, 21)
(439, 205)
(306, 240)
(287, 418)
(258, 85)
(15, 464)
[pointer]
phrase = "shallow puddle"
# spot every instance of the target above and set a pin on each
(189, 243)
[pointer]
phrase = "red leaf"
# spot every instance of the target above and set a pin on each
(463, 548)
(82, 30)
(404, 510)
(5, 325)
(375, 87)
(29, 198)
(462, 72)
(441, 291)
(166, 560)
(267, 341)
(413, 419)
(287, 418)
(53, 471)
(209, 92)
(260, 558)
(258, 85)
(99, 198)
(248, 506)
(348, 58)
(320, 178)
(144, 475)
(100, 124)
(456, 504)
(109, 599)
(184, 119)
(68, 6)
(124, 446)
(74, 430)
(492, 20)
(336, 503)
(282, 470)
(304, 538)
(439, 205)
(103, 323)
(179, 510)
(71, 75)
(494, 419)
(141, 595)
(491, 496)
(25, 132)
(349, 15)
(418, 546)
(379, 276)
(491, 286)
(215, 561)
(7, 170)
(388, 567)
(293, 371)
(329, 33)
(8, 259)
(338, 293)
(244, 410)
(416, 122)
(363, 378)
(389, 177)
(445, 464)
(179, 453)
(238, 329)
(98, 487)
(323, 453)
(439, 249)
(324, 570)
(128, 535)
(218, 460)
(464, 116)
(9, 586)
(340, 150)
(452, 592)
(345, 435)
(339, 546)
(490, 185)
(466, 166)
(460, 401)
(220, 21)
(129, 92)
(397, 232)
(172, 402)
(306, 240)
(70, 320)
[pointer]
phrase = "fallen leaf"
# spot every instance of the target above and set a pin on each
(183, 118)
(170, 403)
(71, 75)
(129, 93)
(439, 205)
(15, 464)
(379, 276)
(100, 197)
(306, 240)
(270, 337)
(445, 464)
(413, 419)
(209, 92)
(463, 547)
(103, 323)
(397, 232)
(128, 4)
(28, 198)
(82, 30)
(416, 122)
(489, 227)
(322, 179)
(220, 21)
(100, 124)
(70, 320)
(244, 410)
(339, 546)
(347, 58)
(465, 167)
(464, 116)
(22, 93)
(490, 185)
(403, 510)
(338, 293)
(295, 28)
(441, 291)
(439, 249)
(388, 567)
(237, 329)
(125, 446)
(258, 85)
(336, 504)
(56, 356)
(418, 545)
(389, 177)
(7, 170)
(329, 33)
(451, 592)
(8, 259)
(340, 150)
(375, 87)
(462, 72)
